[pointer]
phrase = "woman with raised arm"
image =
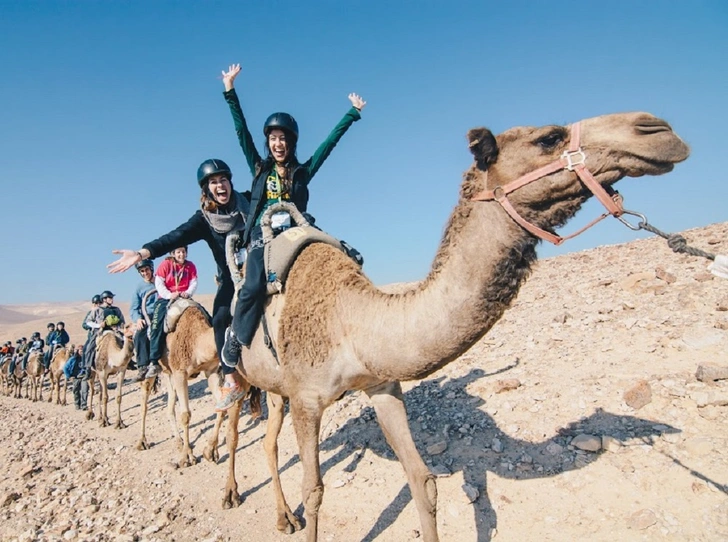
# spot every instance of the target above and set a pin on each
(278, 176)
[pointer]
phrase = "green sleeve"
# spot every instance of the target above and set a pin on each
(241, 127)
(322, 153)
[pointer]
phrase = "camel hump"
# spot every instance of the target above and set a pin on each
(282, 251)
(177, 308)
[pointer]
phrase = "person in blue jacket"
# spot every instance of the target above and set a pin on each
(72, 370)
(278, 176)
(141, 337)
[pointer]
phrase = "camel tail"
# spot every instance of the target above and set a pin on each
(255, 409)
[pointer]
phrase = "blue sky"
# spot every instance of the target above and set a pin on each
(109, 107)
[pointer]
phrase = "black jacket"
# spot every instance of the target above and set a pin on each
(195, 229)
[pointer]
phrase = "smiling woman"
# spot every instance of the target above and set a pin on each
(222, 211)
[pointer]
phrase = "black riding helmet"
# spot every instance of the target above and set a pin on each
(61, 324)
(50, 325)
(96, 299)
(107, 293)
(146, 262)
(210, 167)
(282, 121)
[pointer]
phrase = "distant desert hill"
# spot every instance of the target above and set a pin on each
(22, 320)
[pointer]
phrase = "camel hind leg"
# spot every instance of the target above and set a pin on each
(146, 389)
(286, 521)
(392, 417)
(179, 381)
(171, 402)
(211, 452)
(231, 497)
(91, 383)
(65, 388)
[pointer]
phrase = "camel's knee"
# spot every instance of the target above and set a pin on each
(312, 502)
(185, 417)
(431, 492)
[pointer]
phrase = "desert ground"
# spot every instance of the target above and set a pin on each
(579, 416)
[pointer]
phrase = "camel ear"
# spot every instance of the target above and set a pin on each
(483, 146)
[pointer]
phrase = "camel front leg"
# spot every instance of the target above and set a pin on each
(179, 379)
(65, 388)
(146, 389)
(119, 384)
(104, 401)
(307, 423)
(392, 417)
(53, 388)
(40, 382)
(91, 382)
(231, 497)
(286, 521)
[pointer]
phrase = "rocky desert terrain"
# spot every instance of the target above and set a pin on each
(579, 416)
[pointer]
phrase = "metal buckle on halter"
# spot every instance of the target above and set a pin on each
(571, 163)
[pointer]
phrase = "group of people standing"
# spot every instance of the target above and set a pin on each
(277, 176)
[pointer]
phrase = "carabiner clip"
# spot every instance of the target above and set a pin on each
(639, 225)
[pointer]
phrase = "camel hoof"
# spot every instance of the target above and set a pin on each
(212, 454)
(231, 499)
(187, 460)
(119, 425)
(104, 422)
(289, 523)
(142, 445)
(89, 415)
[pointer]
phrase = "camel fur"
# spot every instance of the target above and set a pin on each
(335, 331)
(111, 359)
(36, 373)
(190, 351)
(55, 372)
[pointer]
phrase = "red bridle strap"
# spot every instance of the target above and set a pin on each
(572, 159)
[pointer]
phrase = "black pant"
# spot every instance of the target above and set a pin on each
(141, 347)
(251, 297)
(79, 398)
(221, 317)
(89, 353)
(157, 336)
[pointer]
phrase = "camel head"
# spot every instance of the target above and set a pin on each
(128, 331)
(614, 146)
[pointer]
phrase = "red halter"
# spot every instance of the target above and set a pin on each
(573, 159)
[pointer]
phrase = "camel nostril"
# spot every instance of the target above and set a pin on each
(652, 126)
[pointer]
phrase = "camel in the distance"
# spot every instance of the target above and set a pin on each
(55, 372)
(337, 332)
(36, 373)
(111, 359)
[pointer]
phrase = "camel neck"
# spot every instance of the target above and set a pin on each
(482, 262)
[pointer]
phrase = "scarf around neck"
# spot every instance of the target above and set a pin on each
(227, 221)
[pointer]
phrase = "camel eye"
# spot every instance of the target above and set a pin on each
(549, 141)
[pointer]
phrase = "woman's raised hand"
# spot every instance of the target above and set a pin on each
(229, 76)
(357, 101)
(127, 259)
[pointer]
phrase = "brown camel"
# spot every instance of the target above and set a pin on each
(5, 376)
(36, 374)
(16, 379)
(190, 351)
(335, 331)
(111, 359)
(55, 372)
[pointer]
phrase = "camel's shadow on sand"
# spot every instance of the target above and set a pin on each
(442, 410)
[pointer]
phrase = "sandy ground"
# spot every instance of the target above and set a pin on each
(531, 432)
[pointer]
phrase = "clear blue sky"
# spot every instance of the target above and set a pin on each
(109, 107)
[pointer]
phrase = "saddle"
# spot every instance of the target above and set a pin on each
(175, 310)
(281, 251)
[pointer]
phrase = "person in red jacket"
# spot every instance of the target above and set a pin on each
(175, 277)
